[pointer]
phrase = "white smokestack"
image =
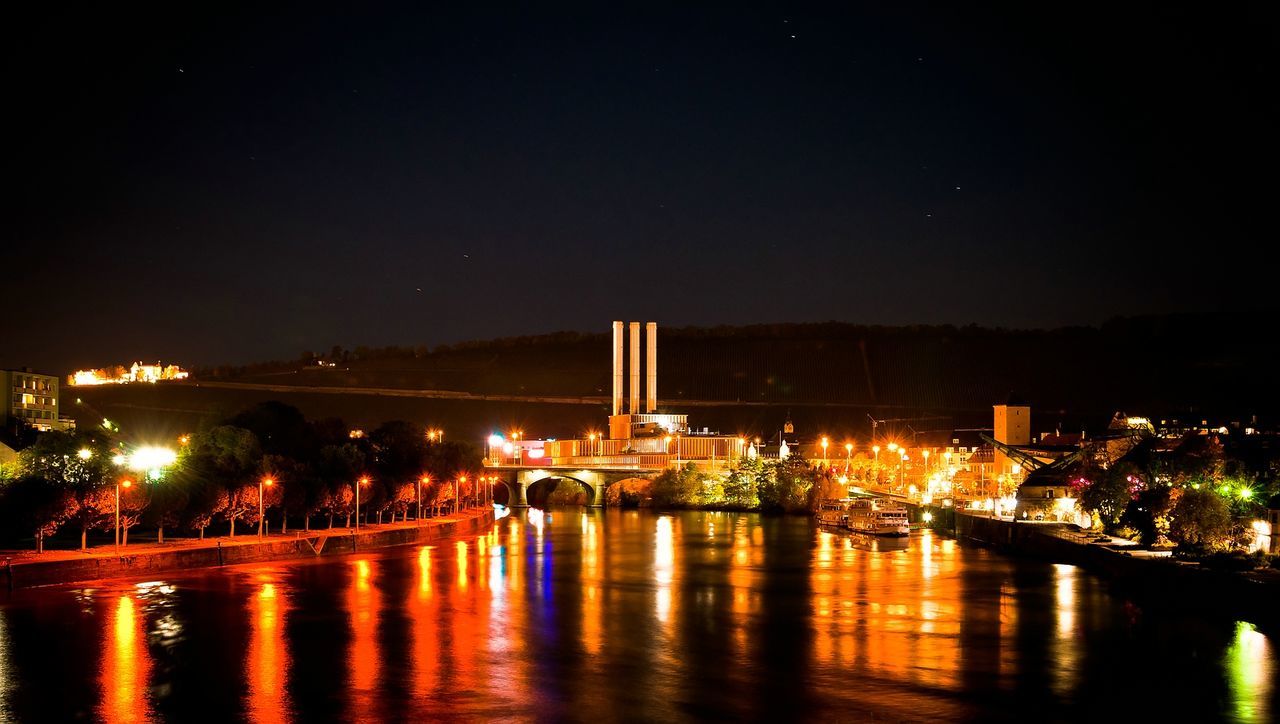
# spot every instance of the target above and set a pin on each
(651, 368)
(618, 361)
(634, 408)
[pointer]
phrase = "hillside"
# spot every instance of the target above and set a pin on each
(1161, 365)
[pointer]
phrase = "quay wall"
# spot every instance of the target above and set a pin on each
(29, 573)
(1158, 580)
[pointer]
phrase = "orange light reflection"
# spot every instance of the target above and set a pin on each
(267, 664)
(126, 667)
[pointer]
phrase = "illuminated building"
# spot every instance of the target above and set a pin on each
(32, 398)
(138, 372)
(1012, 427)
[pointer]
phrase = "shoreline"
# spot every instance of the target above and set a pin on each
(1157, 581)
(30, 572)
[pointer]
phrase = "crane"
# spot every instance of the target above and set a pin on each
(876, 423)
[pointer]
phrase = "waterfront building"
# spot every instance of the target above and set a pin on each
(32, 398)
(1012, 425)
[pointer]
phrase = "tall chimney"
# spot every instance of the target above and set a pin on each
(634, 408)
(651, 368)
(618, 361)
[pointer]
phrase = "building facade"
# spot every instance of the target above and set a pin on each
(33, 398)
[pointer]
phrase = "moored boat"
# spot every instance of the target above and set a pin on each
(876, 517)
(833, 512)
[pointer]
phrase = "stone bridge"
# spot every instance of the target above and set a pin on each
(519, 478)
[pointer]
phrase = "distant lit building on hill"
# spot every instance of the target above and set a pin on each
(32, 398)
(120, 375)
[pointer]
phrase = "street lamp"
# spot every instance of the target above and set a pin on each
(824, 450)
(364, 480)
(925, 453)
(457, 481)
(122, 483)
(264, 483)
(592, 438)
(424, 480)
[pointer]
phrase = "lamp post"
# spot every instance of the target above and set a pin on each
(424, 480)
(122, 483)
(824, 450)
(364, 480)
(262, 484)
(902, 471)
(456, 485)
(925, 453)
(592, 438)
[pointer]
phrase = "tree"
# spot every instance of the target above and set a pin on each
(678, 487)
(296, 488)
(1149, 513)
(168, 502)
(785, 485)
(281, 430)
(242, 504)
(133, 503)
(37, 505)
(740, 484)
(339, 467)
(1200, 521)
(218, 461)
(1107, 497)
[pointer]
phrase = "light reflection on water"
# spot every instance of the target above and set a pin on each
(671, 617)
(126, 665)
(5, 713)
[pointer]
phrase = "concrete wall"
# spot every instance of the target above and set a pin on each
(29, 573)
(1162, 581)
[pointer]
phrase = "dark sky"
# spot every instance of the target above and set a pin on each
(204, 183)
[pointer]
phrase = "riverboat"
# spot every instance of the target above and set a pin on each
(833, 512)
(876, 517)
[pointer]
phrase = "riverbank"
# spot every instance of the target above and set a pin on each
(1163, 580)
(54, 567)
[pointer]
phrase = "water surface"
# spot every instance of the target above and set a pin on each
(628, 615)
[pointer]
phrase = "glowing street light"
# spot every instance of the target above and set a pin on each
(85, 453)
(364, 480)
(592, 437)
(825, 442)
(457, 481)
(424, 480)
(125, 483)
(263, 483)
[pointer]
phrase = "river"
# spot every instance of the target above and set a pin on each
(632, 615)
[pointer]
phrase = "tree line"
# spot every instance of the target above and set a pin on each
(67, 483)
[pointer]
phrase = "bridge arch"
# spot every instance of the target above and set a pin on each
(560, 488)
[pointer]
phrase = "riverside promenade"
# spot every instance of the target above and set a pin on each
(24, 569)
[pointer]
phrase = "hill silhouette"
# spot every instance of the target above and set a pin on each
(1153, 364)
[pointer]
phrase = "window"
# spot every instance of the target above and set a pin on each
(1049, 493)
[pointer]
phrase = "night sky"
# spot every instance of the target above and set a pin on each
(206, 184)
